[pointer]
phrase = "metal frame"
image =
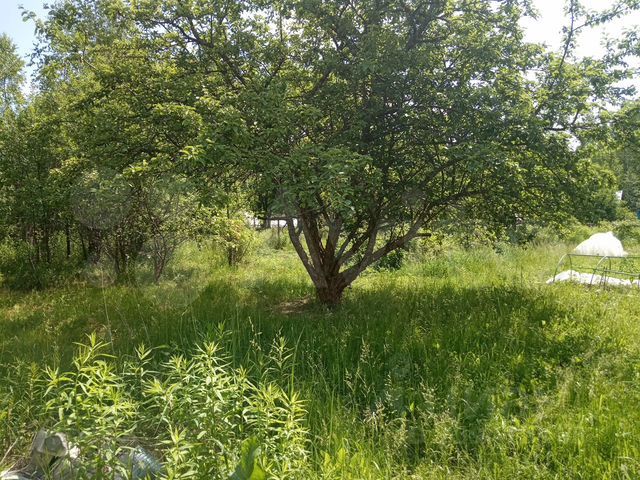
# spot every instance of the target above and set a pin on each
(603, 267)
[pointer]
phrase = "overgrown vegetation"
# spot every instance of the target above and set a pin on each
(426, 167)
(364, 125)
(461, 364)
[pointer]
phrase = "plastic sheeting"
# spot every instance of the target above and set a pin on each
(603, 245)
(591, 279)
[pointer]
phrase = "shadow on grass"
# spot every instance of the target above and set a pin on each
(395, 350)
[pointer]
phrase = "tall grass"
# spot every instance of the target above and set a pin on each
(463, 364)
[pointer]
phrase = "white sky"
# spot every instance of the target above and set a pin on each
(548, 28)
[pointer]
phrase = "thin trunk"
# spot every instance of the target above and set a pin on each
(83, 245)
(116, 258)
(46, 245)
(67, 233)
(36, 244)
(95, 245)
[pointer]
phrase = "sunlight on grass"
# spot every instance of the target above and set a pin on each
(462, 365)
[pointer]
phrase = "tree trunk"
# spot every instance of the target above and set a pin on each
(36, 244)
(85, 254)
(94, 250)
(67, 233)
(46, 245)
(330, 292)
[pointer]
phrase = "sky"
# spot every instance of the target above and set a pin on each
(11, 23)
(545, 30)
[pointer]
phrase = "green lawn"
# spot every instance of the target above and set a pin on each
(460, 365)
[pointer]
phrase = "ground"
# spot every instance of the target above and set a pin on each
(462, 364)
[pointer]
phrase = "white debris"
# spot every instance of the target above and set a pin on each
(12, 476)
(601, 244)
(47, 448)
(591, 279)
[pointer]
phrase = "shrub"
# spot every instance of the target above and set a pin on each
(234, 237)
(20, 269)
(278, 238)
(627, 230)
(392, 261)
(571, 231)
(202, 417)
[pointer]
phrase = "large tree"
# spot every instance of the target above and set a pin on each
(368, 121)
(364, 123)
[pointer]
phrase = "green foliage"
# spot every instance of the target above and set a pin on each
(11, 75)
(628, 231)
(249, 467)
(460, 365)
(199, 414)
(234, 237)
(617, 150)
(362, 121)
(570, 232)
(20, 269)
(16, 265)
(393, 261)
(278, 238)
(91, 405)
(595, 199)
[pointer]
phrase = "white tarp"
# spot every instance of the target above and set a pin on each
(591, 279)
(601, 244)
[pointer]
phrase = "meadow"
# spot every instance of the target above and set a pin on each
(461, 364)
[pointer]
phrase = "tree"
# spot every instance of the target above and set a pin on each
(131, 115)
(11, 76)
(373, 119)
(364, 123)
(32, 146)
(618, 150)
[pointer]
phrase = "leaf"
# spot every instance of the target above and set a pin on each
(249, 467)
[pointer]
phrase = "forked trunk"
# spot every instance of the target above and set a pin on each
(330, 292)
(326, 258)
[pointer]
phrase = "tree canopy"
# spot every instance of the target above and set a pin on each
(369, 121)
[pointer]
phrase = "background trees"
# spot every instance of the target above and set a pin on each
(11, 77)
(92, 156)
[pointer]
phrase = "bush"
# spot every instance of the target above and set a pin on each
(234, 237)
(21, 270)
(627, 230)
(202, 417)
(391, 261)
(571, 231)
(278, 238)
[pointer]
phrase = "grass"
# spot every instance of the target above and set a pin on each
(459, 365)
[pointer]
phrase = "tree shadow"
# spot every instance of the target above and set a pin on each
(418, 351)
